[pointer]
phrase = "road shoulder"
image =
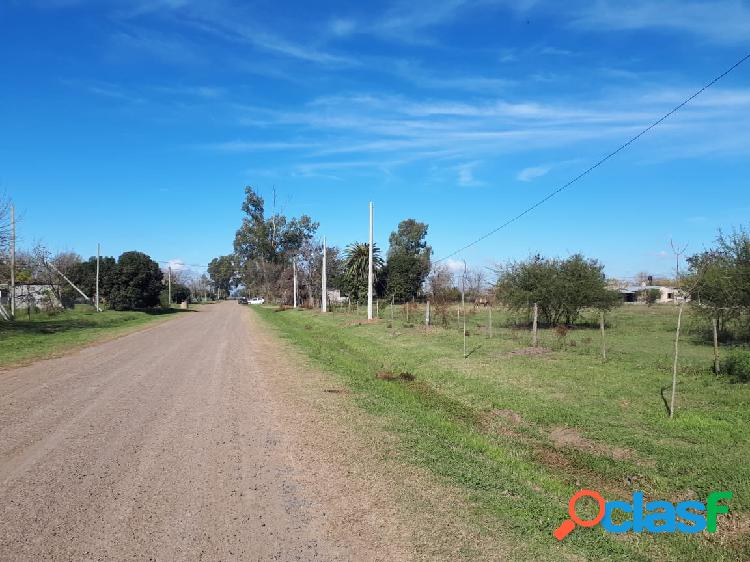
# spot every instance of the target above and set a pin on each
(378, 502)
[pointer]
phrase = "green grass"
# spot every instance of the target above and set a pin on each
(44, 336)
(486, 423)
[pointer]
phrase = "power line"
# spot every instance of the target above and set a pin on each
(600, 162)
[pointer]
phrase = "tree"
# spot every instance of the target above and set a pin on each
(180, 293)
(651, 296)
(561, 288)
(222, 272)
(442, 291)
(719, 280)
(264, 246)
(83, 274)
(408, 260)
(137, 282)
(356, 269)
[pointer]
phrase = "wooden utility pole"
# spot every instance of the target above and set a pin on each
(96, 303)
(604, 342)
(674, 366)
(370, 273)
(294, 269)
(324, 281)
(12, 261)
(534, 325)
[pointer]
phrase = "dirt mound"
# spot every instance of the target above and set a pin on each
(569, 437)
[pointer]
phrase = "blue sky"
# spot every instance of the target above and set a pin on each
(137, 124)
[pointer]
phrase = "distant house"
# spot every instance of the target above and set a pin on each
(334, 296)
(39, 296)
(636, 293)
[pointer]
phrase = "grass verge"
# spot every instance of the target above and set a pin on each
(520, 432)
(42, 336)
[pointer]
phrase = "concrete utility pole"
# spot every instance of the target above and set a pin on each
(294, 269)
(12, 261)
(61, 274)
(97, 279)
(324, 282)
(463, 305)
(369, 273)
(169, 293)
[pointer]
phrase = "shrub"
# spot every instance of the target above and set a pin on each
(737, 365)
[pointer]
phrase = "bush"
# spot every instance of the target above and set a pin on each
(737, 366)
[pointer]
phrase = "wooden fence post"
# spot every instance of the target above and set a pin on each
(674, 366)
(534, 339)
(715, 322)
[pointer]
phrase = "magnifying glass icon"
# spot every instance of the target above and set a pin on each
(569, 524)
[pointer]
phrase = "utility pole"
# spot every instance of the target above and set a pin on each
(324, 281)
(463, 305)
(294, 269)
(97, 278)
(170, 285)
(12, 261)
(369, 273)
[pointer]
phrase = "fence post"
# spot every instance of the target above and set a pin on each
(604, 343)
(490, 321)
(427, 315)
(715, 322)
(674, 366)
(534, 325)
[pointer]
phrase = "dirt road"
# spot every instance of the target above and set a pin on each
(174, 443)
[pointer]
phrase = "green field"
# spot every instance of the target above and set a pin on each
(519, 431)
(44, 336)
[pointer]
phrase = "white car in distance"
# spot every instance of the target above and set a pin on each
(256, 300)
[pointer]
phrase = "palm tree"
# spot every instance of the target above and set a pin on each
(356, 268)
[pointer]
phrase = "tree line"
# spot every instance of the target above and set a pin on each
(269, 248)
(131, 281)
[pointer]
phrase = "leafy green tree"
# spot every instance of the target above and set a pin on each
(264, 246)
(83, 274)
(408, 260)
(561, 288)
(719, 280)
(356, 269)
(137, 282)
(180, 293)
(222, 272)
(651, 296)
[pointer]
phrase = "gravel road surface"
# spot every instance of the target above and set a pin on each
(174, 443)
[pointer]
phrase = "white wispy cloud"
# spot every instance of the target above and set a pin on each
(532, 173)
(466, 174)
(721, 21)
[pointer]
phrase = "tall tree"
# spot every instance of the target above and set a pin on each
(408, 259)
(264, 246)
(356, 268)
(137, 283)
(222, 272)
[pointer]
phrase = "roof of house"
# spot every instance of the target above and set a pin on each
(637, 288)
